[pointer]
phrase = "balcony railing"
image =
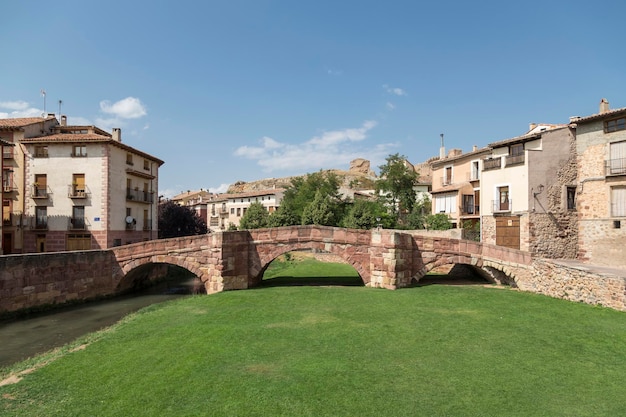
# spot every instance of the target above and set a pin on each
(77, 223)
(7, 152)
(473, 176)
(39, 191)
(8, 186)
(41, 223)
(492, 163)
(76, 191)
(447, 180)
(616, 166)
(140, 196)
(515, 159)
(502, 205)
(470, 209)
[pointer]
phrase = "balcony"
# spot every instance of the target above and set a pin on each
(502, 206)
(75, 191)
(616, 167)
(8, 186)
(470, 209)
(41, 223)
(39, 191)
(492, 163)
(41, 153)
(447, 180)
(515, 160)
(7, 152)
(77, 223)
(140, 196)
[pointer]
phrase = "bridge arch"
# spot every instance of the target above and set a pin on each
(257, 270)
(152, 269)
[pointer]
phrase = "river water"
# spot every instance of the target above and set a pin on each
(28, 336)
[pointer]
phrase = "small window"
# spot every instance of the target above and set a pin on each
(238, 211)
(129, 159)
(232, 210)
(517, 149)
(615, 125)
(41, 151)
(618, 201)
(79, 151)
(146, 164)
(571, 198)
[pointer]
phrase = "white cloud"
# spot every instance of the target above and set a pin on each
(390, 105)
(394, 90)
(219, 190)
(14, 105)
(331, 149)
(128, 108)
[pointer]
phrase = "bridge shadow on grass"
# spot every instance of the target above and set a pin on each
(290, 281)
(446, 279)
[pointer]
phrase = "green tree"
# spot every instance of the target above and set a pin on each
(301, 193)
(396, 184)
(422, 208)
(255, 217)
(439, 221)
(176, 220)
(365, 214)
(321, 211)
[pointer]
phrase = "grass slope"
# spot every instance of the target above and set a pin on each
(342, 351)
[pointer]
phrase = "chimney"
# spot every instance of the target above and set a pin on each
(63, 120)
(604, 106)
(532, 126)
(442, 149)
(474, 148)
(117, 134)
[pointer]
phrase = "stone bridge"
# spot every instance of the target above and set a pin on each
(383, 258)
(237, 260)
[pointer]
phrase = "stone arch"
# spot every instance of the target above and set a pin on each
(267, 253)
(499, 274)
(140, 268)
(454, 261)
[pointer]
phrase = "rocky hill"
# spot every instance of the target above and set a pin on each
(359, 177)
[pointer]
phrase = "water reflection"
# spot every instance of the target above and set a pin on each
(25, 337)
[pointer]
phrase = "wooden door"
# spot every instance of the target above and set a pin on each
(507, 232)
(7, 243)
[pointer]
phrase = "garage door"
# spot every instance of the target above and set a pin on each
(507, 231)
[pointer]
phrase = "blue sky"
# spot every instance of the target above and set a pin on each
(234, 90)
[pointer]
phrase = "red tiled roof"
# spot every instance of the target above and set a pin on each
(599, 116)
(68, 137)
(20, 122)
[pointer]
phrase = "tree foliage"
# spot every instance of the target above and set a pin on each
(176, 220)
(301, 193)
(365, 214)
(321, 211)
(255, 217)
(421, 210)
(439, 221)
(396, 185)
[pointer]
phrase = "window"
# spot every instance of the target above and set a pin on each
(146, 164)
(78, 185)
(41, 151)
(129, 159)
(79, 151)
(40, 186)
(503, 203)
(7, 208)
(617, 159)
(618, 201)
(232, 210)
(468, 203)
(41, 217)
(475, 174)
(516, 155)
(7, 180)
(447, 178)
(78, 217)
(238, 211)
(147, 224)
(445, 203)
(615, 125)
(571, 198)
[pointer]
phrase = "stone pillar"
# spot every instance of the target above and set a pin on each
(391, 259)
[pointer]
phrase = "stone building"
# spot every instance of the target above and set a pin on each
(528, 192)
(75, 188)
(601, 192)
(456, 186)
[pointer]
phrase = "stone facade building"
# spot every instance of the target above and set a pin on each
(75, 188)
(601, 192)
(528, 194)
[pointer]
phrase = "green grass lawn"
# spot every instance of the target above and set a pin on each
(340, 351)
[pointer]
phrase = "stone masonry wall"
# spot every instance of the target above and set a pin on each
(28, 281)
